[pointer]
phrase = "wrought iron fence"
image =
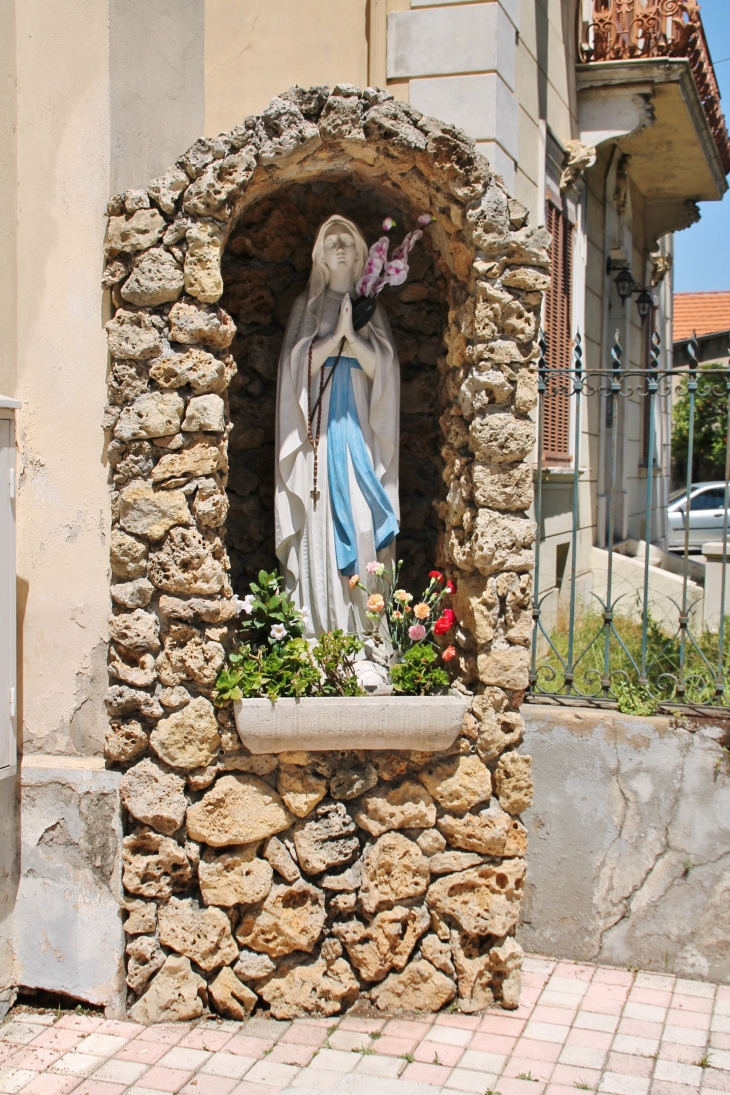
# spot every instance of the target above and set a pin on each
(637, 631)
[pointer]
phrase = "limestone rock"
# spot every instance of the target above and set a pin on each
(175, 995)
(326, 841)
(156, 278)
(300, 788)
(291, 918)
(497, 486)
(513, 781)
(501, 438)
(133, 335)
(154, 865)
(152, 513)
(491, 832)
(419, 987)
(386, 943)
(236, 760)
(341, 119)
(457, 782)
(390, 122)
(448, 862)
(234, 877)
(202, 662)
(188, 738)
(136, 594)
(196, 367)
(352, 778)
(128, 556)
(482, 900)
(505, 668)
(210, 506)
(201, 458)
(253, 967)
(203, 263)
(132, 667)
(121, 700)
(138, 630)
(278, 856)
(230, 997)
(310, 987)
(153, 796)
(497, 731)
(124, 741)
(205, 413)
(498, 542)
(141, 917)
(189, 325)
(527, 279)
(289, 135)
(145, 958)
(154, 414)
(394, 869)
(134, 233)
(165, 191)
(195, 608)
(237, 810)
(474, 973)
(506, 963)
(407, 806)
(430, 842)
(347, 882)
(185, 564)
(438, 954)
(221, 182)
(203, 935)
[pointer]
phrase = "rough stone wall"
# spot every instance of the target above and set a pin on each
(300, 880)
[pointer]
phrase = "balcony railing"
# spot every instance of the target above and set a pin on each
(622, 30)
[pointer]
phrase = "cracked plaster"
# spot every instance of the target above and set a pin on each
(631, 817)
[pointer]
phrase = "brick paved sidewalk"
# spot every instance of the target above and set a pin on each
(577, 1028)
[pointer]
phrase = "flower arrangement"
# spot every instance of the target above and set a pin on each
(409, 629)
(272, 658)
(381, 271)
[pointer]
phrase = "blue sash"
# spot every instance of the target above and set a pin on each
(344, 434)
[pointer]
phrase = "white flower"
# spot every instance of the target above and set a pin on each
(245, 605)
(304, 613)
(278, 632)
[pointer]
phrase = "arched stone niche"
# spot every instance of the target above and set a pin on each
(307, 881)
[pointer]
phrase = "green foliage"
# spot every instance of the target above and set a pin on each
(710, 427)
(417, 675)
(265, 607)
(701, 657)
(335, 655)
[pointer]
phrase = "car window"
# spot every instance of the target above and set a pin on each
(709, 499)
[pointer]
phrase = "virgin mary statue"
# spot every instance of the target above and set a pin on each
(336, 439)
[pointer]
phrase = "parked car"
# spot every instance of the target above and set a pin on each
(706, 515)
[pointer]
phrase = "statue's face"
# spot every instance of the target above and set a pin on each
(340, 253)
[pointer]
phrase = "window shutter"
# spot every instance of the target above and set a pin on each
(556, 323)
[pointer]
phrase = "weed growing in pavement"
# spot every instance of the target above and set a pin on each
(705, 1061)
(527, 1076)
(408, 1057)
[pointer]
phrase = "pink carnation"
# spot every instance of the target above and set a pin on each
(417, 632)
(372, 568)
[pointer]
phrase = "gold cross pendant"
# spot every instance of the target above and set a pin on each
(315, 494)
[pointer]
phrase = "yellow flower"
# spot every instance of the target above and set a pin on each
(353, 581)
(375, 603)
(401, 595)
(422, 611)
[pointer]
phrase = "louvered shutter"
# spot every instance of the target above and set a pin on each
(556, 322)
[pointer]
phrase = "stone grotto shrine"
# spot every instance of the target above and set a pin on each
(306, 882)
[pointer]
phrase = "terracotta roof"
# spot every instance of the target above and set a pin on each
(704, 313)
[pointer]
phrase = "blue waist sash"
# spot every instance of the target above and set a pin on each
(344, 434)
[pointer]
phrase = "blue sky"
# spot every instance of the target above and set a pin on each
(702, 252)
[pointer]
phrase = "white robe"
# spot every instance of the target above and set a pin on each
(305, 542)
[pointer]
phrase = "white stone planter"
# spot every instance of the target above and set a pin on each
(429, 723)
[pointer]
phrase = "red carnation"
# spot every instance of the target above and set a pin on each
(449, 653)
(436, 574)
(451, 586)
(445, 622)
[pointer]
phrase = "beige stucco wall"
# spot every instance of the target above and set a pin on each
(63, 498)
(255, 49)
